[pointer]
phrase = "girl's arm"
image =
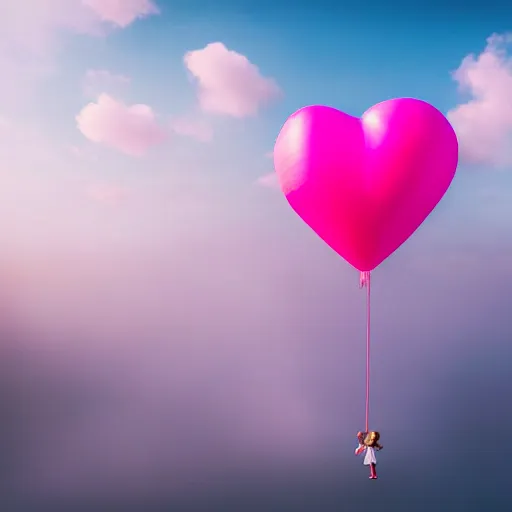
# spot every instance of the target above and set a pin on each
(360, 449)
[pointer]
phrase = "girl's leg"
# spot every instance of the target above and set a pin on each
(374, 471)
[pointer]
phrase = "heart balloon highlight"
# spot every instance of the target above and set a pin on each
(364, 185)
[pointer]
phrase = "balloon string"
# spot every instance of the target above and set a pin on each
(365, 282)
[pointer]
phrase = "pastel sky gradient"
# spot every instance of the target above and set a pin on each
(172, 334)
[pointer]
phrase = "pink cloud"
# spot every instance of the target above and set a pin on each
(33, 24)
(30, 34)
(484, 123)
(129, 129)
(228, 83)
(199, 130)
(268, 180)
(122, 12)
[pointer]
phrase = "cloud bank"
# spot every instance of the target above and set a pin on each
(31, 35)
(484, 123)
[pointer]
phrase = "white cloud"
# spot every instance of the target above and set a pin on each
(130, 129)
(484, 123)
(228, 83)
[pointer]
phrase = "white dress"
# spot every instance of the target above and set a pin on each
(369, 458)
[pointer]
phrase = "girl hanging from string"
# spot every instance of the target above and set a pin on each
(369, 442)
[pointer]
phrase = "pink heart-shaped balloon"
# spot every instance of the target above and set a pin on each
(365, 185)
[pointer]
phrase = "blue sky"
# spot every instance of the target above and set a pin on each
(173, 333)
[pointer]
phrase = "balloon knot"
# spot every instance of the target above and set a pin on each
(364, 277)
